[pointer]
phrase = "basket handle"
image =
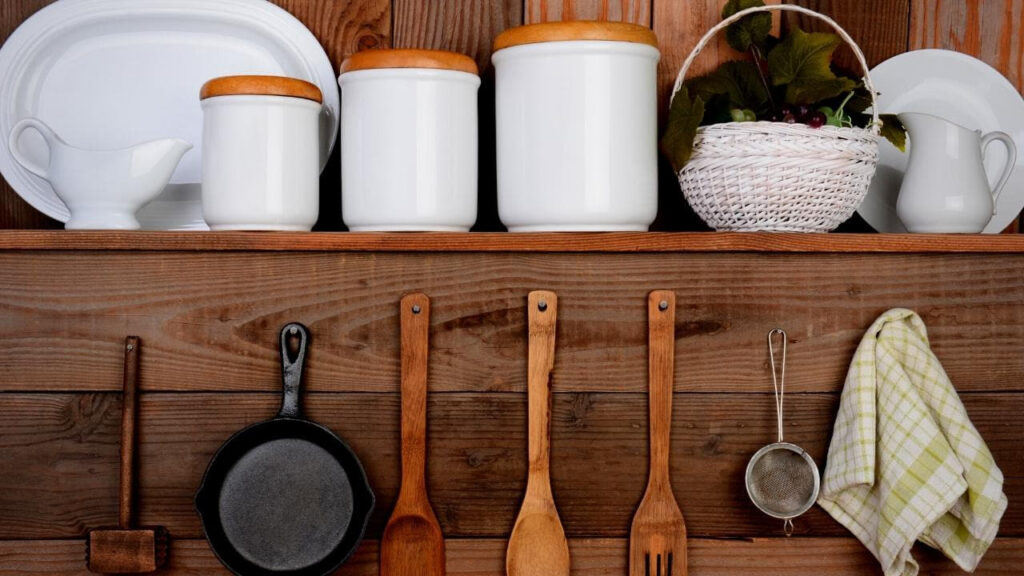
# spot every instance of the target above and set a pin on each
(875, 123)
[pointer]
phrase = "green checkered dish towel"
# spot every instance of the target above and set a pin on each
(905, 463)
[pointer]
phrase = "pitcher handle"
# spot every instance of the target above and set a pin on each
(1011, 160)
(15, 146)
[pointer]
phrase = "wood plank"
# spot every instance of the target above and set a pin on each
(635, 11)
(591, 557)
(15, 212)
(880, 27)
(680, 25)
(596, 242)
(344, 28)
(992, 30)
(210, 321)
(59, 453)
(465, 26)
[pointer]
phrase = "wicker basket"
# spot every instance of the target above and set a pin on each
(778, 177)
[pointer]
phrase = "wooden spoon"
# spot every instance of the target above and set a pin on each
(538, 546)
(657, 540)
(413, 544)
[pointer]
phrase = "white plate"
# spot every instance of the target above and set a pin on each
(108, 74)
(960, 89)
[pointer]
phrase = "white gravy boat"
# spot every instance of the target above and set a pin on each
(103, 189)
(945, 188)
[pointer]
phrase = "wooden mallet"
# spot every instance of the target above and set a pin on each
(124, 549)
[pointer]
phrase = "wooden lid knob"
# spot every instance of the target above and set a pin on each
(261, 86)
(409, 58)
(574, 31)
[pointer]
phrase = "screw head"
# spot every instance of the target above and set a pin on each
(663, 305)
(416, 309)
(542, 305)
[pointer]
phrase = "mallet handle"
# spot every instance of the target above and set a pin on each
(130, 404)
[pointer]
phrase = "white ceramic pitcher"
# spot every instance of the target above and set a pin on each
(946, 189)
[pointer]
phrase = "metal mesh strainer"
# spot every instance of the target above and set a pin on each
(782, 479)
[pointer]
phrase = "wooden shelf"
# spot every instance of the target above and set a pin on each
(590, 557)
(621, 242)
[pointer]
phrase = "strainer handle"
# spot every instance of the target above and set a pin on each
(876, 125)
(778, 379)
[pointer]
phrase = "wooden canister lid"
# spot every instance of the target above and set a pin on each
(575, 30)
(409, 58)
(261, 86)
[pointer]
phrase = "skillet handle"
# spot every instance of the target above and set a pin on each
(291, 369)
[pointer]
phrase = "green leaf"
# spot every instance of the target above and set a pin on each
(802, 63)
(683, 119)
(752, 30)
(738, 81)
(860, 102)
(894, 131)
(814, 91)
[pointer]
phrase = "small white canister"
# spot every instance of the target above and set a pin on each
(261, 153)
(577, 126)
(409, 141)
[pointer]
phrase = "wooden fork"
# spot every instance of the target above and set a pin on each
(657, 540)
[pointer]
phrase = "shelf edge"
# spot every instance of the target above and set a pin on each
(611, 242)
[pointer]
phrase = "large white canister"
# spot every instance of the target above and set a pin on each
(577, 126)
(261, 153)
(409, 141)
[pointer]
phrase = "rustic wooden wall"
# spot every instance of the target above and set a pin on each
(209, 322)
(992, 30)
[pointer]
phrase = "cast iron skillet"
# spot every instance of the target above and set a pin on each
(285, 496)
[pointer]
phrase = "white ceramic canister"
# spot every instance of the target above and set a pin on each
(409, 141)
(577, 126)
(261, 153)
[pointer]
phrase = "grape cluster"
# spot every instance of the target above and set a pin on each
(800, 115)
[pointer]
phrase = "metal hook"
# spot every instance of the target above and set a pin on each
(787, 526)
(778, 380)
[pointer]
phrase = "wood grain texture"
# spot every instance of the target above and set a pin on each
(412, 543)
(592, 556)
(635, 11)
(657, 536)
(537, 545)
(599, 242)
(261, 85)
(15, 212)
(464, 26)
(210, 320)
(880, 27)
(992, 30)
(344, 28)
(129, 433)
(680, 24)
(59, 454)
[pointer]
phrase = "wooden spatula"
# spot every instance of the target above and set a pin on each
(413, 544)
(538, 546)
(657, 540)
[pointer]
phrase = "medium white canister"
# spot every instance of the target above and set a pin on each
(261, 153)
(577, 126)
(409, 140)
